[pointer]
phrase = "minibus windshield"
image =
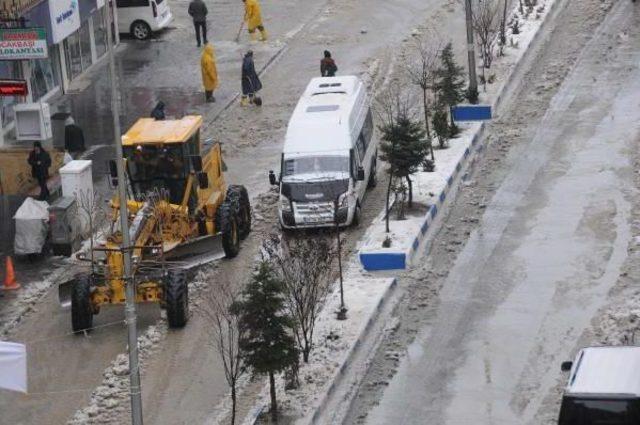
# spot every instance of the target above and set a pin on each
(317, 165)
(599, 411)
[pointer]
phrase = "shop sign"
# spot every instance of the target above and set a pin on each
(13, 87)
(65, 18)
(23, 43)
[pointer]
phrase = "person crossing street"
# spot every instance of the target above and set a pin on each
(253, 18)
(198, 12)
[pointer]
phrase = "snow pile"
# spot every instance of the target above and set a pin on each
(28, 297)
(620, 324)
(430, 188)
(110, 400)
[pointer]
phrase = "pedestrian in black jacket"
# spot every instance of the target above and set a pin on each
(40, 162)
(250, 82)
(73, 136)
(198, 11)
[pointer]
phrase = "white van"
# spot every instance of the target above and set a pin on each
(603, 387)
(329, 155)
(140, 18)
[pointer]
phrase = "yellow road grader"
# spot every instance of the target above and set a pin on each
(178, 206)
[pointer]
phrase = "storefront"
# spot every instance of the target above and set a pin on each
(76, 40)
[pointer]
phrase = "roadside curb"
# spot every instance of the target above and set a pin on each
(398, 260)
(351, 353)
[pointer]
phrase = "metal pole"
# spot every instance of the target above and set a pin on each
(130, 308)
(342, 313)
(473, 81)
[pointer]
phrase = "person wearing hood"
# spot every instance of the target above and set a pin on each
(253, 18)
(40, 161)
(209, 72)
(250, 82)
(157, 113)
(328, 66)
(73, 136)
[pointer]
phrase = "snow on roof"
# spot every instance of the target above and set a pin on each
(323, 117)
(606, 370)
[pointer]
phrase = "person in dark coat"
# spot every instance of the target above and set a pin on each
(328, 66)
(198, 12)
(40, 162)
(157, 113)
(73, 136)
(250, 82)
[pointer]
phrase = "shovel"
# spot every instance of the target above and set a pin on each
(239, 32)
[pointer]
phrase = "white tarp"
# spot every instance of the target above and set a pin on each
(31, 227)
(13, 366)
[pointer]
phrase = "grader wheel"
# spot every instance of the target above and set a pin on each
(227, 223)
(81, 310)
(239, 194)
(176, 293)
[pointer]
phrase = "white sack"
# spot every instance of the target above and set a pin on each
(31, 227)
(13, 366)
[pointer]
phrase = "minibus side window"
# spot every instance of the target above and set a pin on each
(367, 129)
(132, 3)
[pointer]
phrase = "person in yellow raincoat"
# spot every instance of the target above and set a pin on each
(253, 18)
(209, 72)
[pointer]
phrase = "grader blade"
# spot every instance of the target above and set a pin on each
(197, 251)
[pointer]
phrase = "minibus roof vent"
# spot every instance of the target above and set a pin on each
(323, 108)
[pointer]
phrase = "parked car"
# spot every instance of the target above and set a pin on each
(603, 387)
(329, 155)
(141, 18)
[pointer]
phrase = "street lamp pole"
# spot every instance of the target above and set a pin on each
(130, 308)
(342, 313)
(473, 80)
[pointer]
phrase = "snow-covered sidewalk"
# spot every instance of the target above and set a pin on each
(431, 189)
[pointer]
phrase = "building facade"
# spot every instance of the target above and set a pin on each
(76, 40)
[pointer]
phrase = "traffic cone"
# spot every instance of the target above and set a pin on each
(10, 282)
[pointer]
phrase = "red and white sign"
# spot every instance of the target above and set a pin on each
(23, 43)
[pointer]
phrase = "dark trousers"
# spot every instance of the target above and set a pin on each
(200, 26)
(44, 190)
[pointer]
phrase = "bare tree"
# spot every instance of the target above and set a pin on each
(486, 24)
(421, 69)
(223, 319)
(394, 105)
(302, 262)
(93, 214)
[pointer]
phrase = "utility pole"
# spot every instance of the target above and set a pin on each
(473, 81)
(342, 313)
(130, 308)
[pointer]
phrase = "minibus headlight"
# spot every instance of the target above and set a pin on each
(343, 200)
(285, 205)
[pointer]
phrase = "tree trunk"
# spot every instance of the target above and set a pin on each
(409, 183)
(503, 26)
(425, 106)
(305, 352)
(274, 402)
(233, 403)
(386, 217)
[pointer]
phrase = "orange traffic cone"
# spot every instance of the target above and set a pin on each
(10, 282)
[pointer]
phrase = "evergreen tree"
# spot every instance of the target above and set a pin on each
(441, 127)
(266, 343)
(450, 84)
(404, 147)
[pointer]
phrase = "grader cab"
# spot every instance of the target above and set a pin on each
(179, 206)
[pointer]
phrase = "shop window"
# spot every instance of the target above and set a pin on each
(72, 55)
(45, 74)
(9, 69)
(100, 32)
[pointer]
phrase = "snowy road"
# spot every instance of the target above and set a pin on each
(549, 247)
(183, 382)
